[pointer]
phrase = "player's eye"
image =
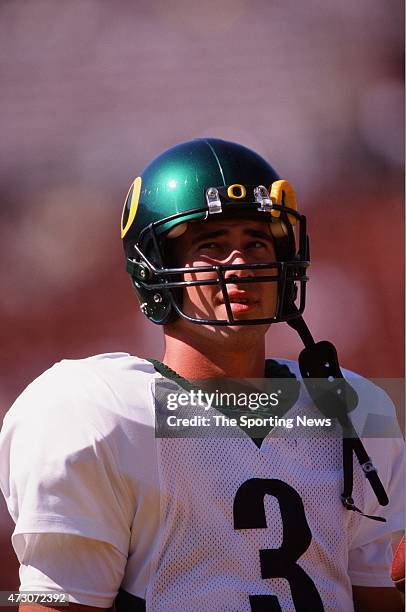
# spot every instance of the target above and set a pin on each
(207, 246)
(257, 244)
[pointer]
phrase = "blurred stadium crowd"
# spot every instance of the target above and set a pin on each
(91, 91)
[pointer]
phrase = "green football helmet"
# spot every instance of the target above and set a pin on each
(209, 179)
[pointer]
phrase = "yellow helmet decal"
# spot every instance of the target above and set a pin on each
(131, 204)
(281, 192)
(241, 191)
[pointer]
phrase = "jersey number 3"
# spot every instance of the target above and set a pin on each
(249, 513)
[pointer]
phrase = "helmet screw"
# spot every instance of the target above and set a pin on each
(143, 273)
(212, 192)
(157, 298)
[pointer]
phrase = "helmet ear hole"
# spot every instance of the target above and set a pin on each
(156, 305)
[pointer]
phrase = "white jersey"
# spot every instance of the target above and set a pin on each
(186, 524)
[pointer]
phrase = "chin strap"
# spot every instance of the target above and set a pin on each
(335, 398)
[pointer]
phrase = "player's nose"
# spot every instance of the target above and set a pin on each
(237, 258)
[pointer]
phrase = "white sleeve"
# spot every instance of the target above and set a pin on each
(370, 555)
(59, 475)
(87, 570)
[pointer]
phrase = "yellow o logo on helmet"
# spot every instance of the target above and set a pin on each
(242, 192)
(131, 205)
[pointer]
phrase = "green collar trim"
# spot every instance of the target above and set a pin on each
(167, 372)
(273, 369)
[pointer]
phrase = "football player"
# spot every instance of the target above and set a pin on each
(111, 510)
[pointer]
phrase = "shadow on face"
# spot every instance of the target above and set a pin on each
(226, 243)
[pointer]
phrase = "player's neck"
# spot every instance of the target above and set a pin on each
(197, 358)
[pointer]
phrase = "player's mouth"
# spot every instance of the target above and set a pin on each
(240, 301)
